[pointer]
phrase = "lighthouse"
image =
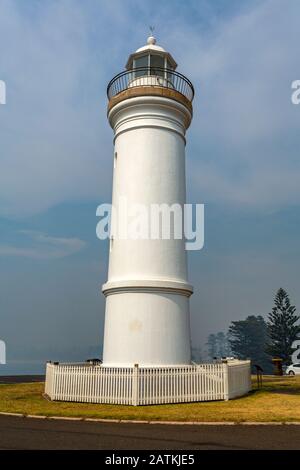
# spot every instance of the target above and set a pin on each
(147, 346)
(147, 320)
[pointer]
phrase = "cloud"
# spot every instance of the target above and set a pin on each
(244, 140)
(53, 148)
(56, 145)
(44, 247)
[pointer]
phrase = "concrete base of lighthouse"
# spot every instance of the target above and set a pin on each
(150, 319)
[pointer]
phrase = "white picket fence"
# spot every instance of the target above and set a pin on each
(239, 378)
(147, 385)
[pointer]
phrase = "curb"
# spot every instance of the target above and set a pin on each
(174, 423)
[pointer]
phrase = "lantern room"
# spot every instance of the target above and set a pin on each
(150, 70)
(151, 59)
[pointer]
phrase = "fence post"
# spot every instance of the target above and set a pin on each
(249, 377)
(53, 382)
(226, 381)
(135, 385)
(49, 385)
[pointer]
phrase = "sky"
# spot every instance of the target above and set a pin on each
(242, 160)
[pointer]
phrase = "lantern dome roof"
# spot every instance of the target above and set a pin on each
(151, 44)
(152, 48)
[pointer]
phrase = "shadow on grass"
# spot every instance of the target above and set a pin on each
(279, 385)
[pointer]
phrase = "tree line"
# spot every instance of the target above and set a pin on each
(258, 339)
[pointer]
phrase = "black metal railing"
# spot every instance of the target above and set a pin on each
(151, 76)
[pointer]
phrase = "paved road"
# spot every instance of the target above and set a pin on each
(17, 379)
(28, 433)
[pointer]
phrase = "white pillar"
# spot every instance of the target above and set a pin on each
(147, 292)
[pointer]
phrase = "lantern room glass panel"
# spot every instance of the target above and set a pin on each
(157, 65)
(170, 76)
(142, 61)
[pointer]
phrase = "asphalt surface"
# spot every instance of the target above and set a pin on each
(17, 379)
(39, 434)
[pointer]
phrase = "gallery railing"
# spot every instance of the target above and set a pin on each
(151, 76)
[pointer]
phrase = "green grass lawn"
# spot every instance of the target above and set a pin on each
(278, 400)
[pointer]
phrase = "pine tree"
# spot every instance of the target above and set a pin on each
(222, 344)
(228, 346)
(218, 345)
(247, 339)
(282, 328)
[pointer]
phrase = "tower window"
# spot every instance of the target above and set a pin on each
(151, 64)
(141, 62)
(157, 61)
(169, 66)
(115, 159)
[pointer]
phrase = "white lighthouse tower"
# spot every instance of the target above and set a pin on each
(147, 350)
(147, 291)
